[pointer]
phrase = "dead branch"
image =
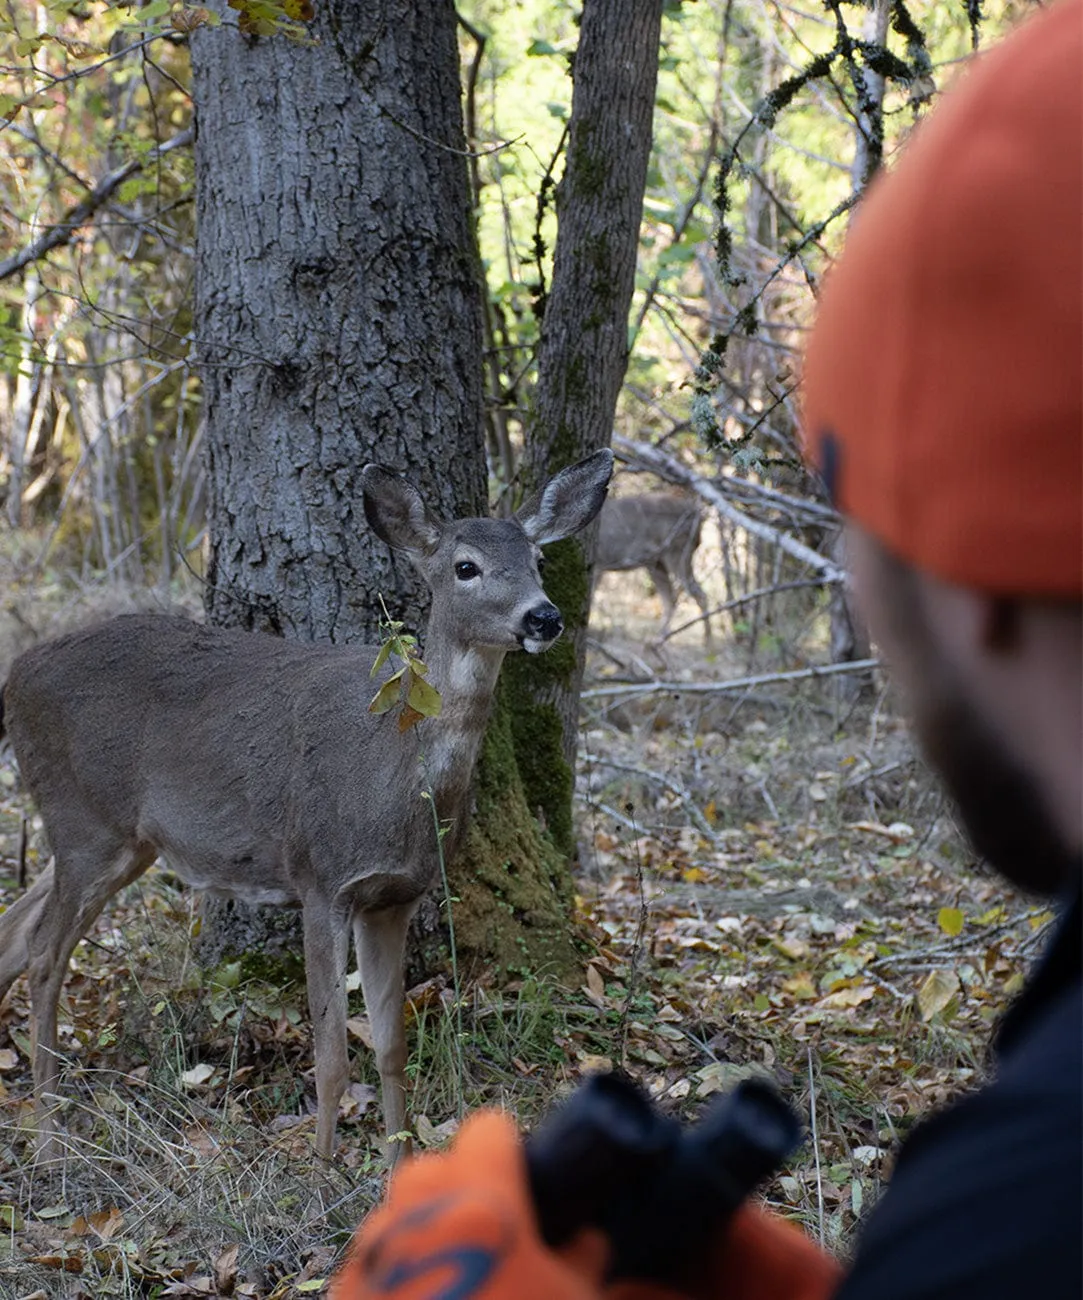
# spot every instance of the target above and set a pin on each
(722, 688)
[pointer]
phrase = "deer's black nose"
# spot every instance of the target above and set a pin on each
(543, 622)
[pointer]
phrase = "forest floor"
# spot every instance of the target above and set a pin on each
(770, 883)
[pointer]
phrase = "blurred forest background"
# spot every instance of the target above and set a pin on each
(768, 879)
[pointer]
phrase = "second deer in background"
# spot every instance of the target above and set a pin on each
(657, 531)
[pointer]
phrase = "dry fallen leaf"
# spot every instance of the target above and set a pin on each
(360, 1028)
(843, 998)
(225, 1270)
(936, 992)
(197, 1075)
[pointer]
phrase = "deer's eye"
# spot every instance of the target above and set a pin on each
(466, 569)
(541, 563)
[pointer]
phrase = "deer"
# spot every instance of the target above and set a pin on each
(255, 769)
(657, 531)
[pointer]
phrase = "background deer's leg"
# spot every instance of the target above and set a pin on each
(381, 938)
(664, 586)
(699, 596)
(83, 881)
(327, 949)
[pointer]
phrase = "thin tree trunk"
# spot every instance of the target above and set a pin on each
(582, 358)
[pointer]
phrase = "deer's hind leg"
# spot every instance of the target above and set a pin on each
(83, 880)
(380, 937)
(16, 926)
(663, 584)
(691, 585)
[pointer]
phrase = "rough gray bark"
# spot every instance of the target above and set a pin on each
(338, 320)
(584, 351)
(337, 307)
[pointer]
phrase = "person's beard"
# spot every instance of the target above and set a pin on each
(1002, 809)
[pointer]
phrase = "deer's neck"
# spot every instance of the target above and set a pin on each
(466, 680)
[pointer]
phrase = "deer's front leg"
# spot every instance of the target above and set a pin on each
(327, 946)
(381, 940)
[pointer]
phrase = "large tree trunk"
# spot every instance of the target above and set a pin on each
(582, 358)
(338, 310)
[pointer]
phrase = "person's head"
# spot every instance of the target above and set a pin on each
(944, 407)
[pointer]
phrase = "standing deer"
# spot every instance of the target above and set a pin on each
(659, 532)
(254, 767)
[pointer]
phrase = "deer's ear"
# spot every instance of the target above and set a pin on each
(396, 512)
(569, 500)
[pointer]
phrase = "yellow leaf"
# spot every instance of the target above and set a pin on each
(936, 992)
(852, 997)
(694, 875)
(422, 697)
(800, 987)
(386, 697)
(951, 921)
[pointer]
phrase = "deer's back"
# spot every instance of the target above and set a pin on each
(248, 761)
(646, 528)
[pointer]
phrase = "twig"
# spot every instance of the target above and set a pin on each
(734, 684)
(674, 787)
(637, 943)
(761, 593)
(952, 947)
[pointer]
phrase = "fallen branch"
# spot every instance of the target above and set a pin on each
(735, 684)
(761, 593)
(930, 956)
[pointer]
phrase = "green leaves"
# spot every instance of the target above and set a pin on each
(419, 699)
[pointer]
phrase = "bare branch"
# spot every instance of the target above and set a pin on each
(724, 688)
(63, 232)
